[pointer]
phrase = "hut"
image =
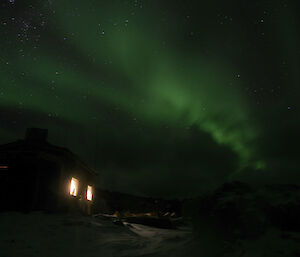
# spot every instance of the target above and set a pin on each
(36, 175)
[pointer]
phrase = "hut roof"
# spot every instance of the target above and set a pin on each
(43, 147)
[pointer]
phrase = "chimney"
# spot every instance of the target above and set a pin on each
(36, 134)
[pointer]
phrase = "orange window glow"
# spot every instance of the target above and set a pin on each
(74, 187)
(89, 193)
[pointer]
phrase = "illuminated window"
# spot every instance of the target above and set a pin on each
(74, 187)
(89, 193)
(3, 167)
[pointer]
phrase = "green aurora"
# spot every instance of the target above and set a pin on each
(137, 72)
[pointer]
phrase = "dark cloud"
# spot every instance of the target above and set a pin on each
(165, 161)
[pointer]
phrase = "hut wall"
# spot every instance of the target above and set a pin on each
(29, 183)
(68, 202)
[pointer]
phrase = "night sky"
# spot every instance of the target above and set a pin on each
(162, 98)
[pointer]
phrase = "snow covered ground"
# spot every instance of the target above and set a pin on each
(42, 235)
(39, 234)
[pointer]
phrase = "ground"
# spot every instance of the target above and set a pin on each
(39, 234)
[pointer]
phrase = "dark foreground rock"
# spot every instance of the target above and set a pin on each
(238, 211)
(282, 207)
